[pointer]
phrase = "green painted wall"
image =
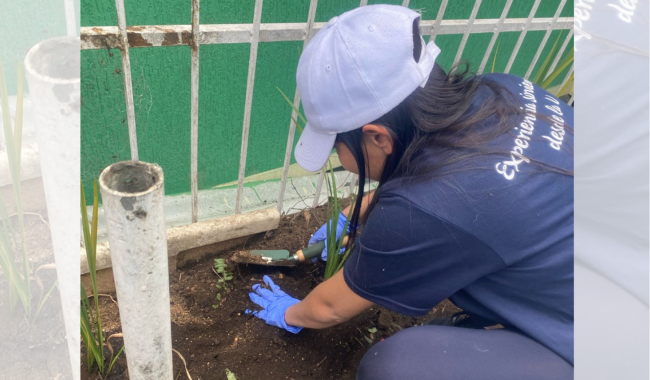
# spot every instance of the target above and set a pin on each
(161, 80)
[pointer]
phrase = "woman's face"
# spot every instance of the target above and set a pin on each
(377, 146)
(347, 159)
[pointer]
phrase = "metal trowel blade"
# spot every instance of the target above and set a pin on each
(272, 255)
(280, 257)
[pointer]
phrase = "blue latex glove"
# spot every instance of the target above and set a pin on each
(275, 303)
(321, 235)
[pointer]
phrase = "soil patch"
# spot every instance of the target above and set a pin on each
(214, 335)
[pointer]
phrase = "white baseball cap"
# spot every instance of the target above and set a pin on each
(355, 70)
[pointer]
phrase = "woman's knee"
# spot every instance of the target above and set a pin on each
(392, 358)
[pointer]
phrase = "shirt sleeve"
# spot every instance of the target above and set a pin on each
(408, 260)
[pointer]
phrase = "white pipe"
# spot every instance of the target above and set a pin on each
(52, 68)
(133, 198)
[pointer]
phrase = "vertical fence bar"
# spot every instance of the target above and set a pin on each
(436, 25)
(522, 36)
(495, 34)
(405, 3)
(319, 188)
(194, 139)
(561, 52)
(545, 39)
(126, 71)
(463, 42)
(566, 79)
(363, 3)
(294, 115)
(70, 18)
(255, 37)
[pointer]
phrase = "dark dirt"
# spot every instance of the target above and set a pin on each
(215, 339)
(131, 177)
(34, 349)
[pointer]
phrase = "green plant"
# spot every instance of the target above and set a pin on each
(335, 260)
(496, 52)
(545, 77)
(220, 268)
(18, 276)
(230, 375)
(91, 321)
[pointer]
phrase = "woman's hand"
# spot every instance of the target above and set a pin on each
(321, 235)
(274, 303)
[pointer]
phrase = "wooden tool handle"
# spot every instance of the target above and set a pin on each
(316, 249)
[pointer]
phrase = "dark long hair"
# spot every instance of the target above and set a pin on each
(438, 117)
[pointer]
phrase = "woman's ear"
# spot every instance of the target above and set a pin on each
(379, 137)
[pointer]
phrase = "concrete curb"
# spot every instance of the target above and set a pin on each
(201, 234)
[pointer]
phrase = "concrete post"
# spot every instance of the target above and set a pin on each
(52, 68)
(133, 198)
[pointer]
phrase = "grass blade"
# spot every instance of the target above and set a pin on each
(494, 60)
(565, 88)
(86, 330)
(18, 118)
(546, 65)
(4, 102)
(20, 285)
(304, 121)
(568, 59)
(43, 299)
(110, 366)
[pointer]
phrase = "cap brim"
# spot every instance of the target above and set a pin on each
(313, 149)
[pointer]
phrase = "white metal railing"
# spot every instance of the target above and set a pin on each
(194, 35)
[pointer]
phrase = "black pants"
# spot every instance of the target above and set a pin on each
(444, 352)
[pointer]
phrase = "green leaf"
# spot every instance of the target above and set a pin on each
(296, 110)
(21, 286)
(566, 87)
(230, 375)
(496, 52)
(372, 330)
(110, 366)
(568, 59)
(43, 299)
(550, 57)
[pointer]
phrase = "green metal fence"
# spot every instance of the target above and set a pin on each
(201, 151)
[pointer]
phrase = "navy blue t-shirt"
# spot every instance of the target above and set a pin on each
(497, 240)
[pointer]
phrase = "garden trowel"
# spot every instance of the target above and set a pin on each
(281, 257)
(278, 257)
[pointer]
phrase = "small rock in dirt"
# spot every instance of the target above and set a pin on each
(385, 320)
(216, 342)
(269, 234)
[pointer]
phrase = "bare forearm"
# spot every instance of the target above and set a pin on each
(312, 312)
(331, 303)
